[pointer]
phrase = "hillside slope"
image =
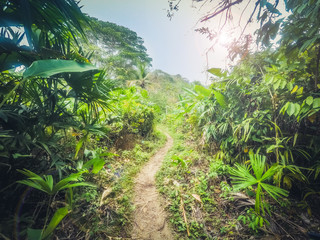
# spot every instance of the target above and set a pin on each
(164, 89)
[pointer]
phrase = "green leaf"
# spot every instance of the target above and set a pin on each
(34, 234)
(29, 174)
(79, 184)
(297, 109)
(283, 84)
(242, 176)
(49, 181)
(243, 179)
(202, 90)
(47, 68)
(316, 103)
(284, 108)
(309, 100)
(261, 222)
(71, 178)
(289, 86)
(18, 155)
(56, 219)
(274, 191)
(308, 43)
(276, 85)
(177, 160)
(270, 172)
(258, 164)
(36, 181)
(220, 98)
(217, 72)
(79, 145)
(295, 139)
(291, 109)
(96, 164)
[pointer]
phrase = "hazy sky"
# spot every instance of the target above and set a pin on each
(173, 45)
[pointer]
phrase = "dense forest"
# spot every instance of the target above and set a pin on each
(81, 114)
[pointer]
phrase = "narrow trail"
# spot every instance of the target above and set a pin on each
(149, 217)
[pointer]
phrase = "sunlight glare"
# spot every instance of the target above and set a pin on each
(225, 38)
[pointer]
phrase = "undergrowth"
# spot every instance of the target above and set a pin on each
(204, 203)
(105, 212)
(197, 192)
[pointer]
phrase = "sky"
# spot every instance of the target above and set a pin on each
(173, 44)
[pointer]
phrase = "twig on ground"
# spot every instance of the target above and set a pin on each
(184, 214)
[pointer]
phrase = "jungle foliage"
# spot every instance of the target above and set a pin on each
(117, 49)
(261, 117)
(62, 120)
(72, 136)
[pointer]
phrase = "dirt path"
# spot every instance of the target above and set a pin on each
(149, 217)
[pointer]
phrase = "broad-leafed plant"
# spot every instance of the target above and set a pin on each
(46, 183)
(257, 175)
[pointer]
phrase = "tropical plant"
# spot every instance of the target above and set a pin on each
(257, 174)
(178, 161)
(252, 219)
(286, 174)
(38, 234)
(134, 113)
(55, 106)
(49, 27)
(47, 185)
(117, 49)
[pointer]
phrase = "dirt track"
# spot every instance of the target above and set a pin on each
(150, 220)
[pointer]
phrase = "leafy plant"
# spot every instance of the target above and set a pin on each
(38, 234)
(97, 161)
(253, 220)
(47, 185)
(257, 174)
(286, 173)
(176, 160)
(47, 68)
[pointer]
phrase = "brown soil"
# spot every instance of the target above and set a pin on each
(150, 220)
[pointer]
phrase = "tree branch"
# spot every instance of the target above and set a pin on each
(254, 10)
(220, 11)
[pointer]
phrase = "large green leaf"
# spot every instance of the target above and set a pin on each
(47, 68)
(202, 90)
(79, 184)
(316, 103)
(217, 72)
(291, 109)
(96, 164)
(309, 100)
(220, 98)
(43, 184)
(56, 219)
(74, 177)
(297, 109)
